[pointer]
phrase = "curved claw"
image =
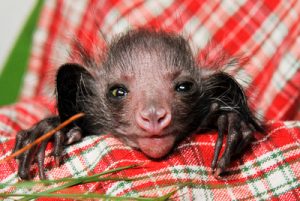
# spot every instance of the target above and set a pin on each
(25, 159)
(239, 136)
(59, 139)
(73, 135)
(222, 121)
(41, 158)
(24, 164)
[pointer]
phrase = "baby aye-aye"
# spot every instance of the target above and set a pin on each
(150, 92)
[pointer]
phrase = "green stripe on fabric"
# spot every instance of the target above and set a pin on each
(15, 66)
(73, 161)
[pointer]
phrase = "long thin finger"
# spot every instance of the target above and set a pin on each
(20, 137)
(24, 163)
(233, 137)
(58, 146)
(247, 136)
(41, 159)
(27, 158)
(222, 122)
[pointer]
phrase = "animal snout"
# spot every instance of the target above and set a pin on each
(153, 119)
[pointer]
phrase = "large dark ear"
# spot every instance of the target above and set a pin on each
(73, 85)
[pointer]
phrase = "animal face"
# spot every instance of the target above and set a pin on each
(152, 91)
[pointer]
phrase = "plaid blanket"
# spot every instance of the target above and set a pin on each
(267, 32)
(268, 170)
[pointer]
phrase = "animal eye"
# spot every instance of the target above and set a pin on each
(184, 87)
(118, 92)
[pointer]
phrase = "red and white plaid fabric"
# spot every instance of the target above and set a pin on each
(267, 32)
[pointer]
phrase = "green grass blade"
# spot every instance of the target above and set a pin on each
(79, 180)
(87, 196)
(69, 182)
(88, 179)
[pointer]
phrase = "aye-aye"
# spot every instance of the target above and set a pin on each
(150, 92)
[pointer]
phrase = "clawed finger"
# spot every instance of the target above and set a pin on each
(222, 122)
(26, 158)
(25, 161)
(240, 135)
(35, 153)
(73, 135)
(58, 147)
(247, 135)
(20, 138)
(41, 159)
(234, 135)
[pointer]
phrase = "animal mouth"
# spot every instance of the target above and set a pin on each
(156, 146)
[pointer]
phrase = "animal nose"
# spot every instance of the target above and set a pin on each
(153, 119)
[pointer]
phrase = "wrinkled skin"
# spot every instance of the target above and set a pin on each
(150, 93)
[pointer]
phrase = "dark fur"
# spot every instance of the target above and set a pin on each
(213, 98)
